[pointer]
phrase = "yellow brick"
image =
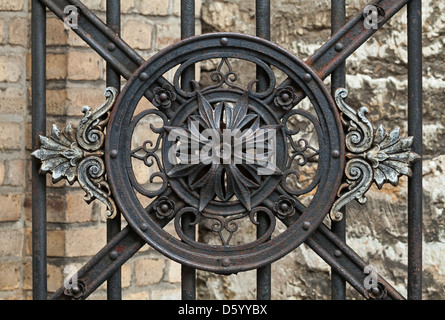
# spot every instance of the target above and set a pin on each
(55, 277)
(11, 68)
(56, 243)
(84, 242)
(56, 33)
(8, 5)
(15, 172)
(9, 275)
(77, 210)
(56, 66)
(154, 7)
(167, 34)
(18, 31)
(149, 271)
(138, 34)
(84, 65)
(56, 101)
(79, 97)
(10, 133)
(2, 28)
(12, 101)
(11, 207)
(12, 242)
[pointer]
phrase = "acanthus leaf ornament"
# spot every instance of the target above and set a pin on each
(375, 156)
(76, 153)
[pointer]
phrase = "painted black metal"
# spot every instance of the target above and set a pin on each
(39, 248)
(114, 284)
(338, 80)
(415, 129)
(188, 274)
(124, 61)
(264, 274)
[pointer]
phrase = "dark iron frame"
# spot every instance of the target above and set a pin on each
(122, 60)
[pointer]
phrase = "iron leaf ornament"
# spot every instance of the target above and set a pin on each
(376, 156)
(76, 153)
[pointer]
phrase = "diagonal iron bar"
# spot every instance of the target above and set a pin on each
(102, 266)
(345, 261)
(341, 258)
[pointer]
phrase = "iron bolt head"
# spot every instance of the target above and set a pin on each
(226, 262)
(111, 46)
(335, 154)
(75, 290)
(284, 206)
(113, 255)
(224, 41)
(144, 226)
(307, 77)
(306, 225)
(338, 47)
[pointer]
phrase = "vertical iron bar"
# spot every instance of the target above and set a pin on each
(264, 279)
(338, 80)
(114, 283)
(39, 250)
(415, 130)
(188, 274)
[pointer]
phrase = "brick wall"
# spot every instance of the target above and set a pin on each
(76, 77)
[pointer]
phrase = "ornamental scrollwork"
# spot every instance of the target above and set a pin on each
(76, 153)
(376, 156)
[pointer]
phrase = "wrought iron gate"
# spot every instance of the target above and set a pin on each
(241, 178)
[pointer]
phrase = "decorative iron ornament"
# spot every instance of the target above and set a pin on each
(375, 156)
(228, 173)
(76, 153)
(224, 195)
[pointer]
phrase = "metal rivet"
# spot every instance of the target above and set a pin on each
(337, 253)
(113, 154)
(226, 262)
(111, 46)
(335, 154)
(144, 226)
(306, 225)
(376, 291)
(113, 255)
(307, 77)
(338, 47)
(75, 290)
(224, 41)
(143, 76)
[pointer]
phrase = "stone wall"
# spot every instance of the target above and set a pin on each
(76, 231)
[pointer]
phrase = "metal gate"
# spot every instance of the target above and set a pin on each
(227, 150)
